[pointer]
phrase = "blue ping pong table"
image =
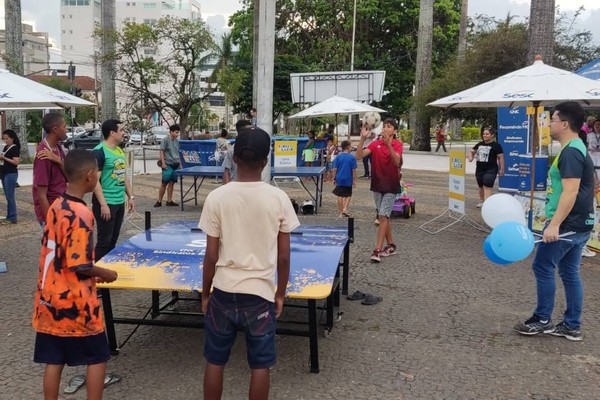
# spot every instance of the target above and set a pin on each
(202, 172)
(169, 259)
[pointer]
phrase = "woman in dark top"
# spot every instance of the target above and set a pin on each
(490, 163)
(9, 159)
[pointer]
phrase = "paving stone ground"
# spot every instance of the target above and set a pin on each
(443, 330)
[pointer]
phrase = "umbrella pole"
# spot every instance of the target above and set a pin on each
(534, 142)
(336, 129)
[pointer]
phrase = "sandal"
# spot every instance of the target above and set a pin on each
(358, 295)
(371, 300)
(75, 384)
(110, 379)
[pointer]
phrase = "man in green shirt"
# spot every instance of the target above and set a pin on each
(569, 209)
(108, 201)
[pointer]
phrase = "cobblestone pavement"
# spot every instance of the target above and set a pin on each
(443, 330)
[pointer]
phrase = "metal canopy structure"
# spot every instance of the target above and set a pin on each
(315, 87)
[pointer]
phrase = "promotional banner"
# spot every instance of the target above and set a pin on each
(456, 184)
(513, 129)
(285, 153)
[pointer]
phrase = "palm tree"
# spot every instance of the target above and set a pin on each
(223, 53)
(419, 123)
(541, 30)
(109, 102)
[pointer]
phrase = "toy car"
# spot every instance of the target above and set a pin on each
(404, 205)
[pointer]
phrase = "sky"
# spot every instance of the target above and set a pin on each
(47, 18)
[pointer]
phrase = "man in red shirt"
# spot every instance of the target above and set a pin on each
(49, 181)
(386, 157)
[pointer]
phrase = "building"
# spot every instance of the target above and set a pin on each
(36, 55)
(79, 19)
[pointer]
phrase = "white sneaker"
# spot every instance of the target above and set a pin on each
(479, 205)
(588, 253)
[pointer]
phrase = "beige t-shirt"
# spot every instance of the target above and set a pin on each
(247, 217)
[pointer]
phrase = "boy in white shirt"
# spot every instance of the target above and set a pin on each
(248, 224)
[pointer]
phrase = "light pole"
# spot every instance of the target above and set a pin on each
(352, 62)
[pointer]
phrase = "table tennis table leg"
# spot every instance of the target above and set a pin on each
(346, 269)
(109, 321)
(181, 191)
(313, 336)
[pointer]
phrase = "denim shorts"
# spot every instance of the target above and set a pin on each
(384, 202)
(84, 350)
(168, 174)
(229, 312)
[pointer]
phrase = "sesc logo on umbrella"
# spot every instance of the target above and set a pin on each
(518, 95)
(593, 92)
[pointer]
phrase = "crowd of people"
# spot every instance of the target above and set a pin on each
(68, 255)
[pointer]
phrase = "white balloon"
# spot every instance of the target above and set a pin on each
(502, 207)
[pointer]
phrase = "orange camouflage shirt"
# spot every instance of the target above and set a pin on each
(66, 303)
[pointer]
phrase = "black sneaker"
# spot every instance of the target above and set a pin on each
(171, 204)
(533, 326)
(563, 330)
(157, 204)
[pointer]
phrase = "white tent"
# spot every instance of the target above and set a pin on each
(336, 105)
(17, 92)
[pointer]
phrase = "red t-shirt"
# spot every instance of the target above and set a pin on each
(385, 177)
(46, 173)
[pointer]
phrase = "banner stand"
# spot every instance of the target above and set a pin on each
(456, 196)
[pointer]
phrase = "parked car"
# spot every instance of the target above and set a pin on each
(143, 138)
(159, 133)
(75, 131)
(90, 139)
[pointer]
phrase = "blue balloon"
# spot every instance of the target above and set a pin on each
(511, 241)
(489, 252)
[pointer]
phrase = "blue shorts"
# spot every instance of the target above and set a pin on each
(329, 165)
(58, 350)
(228, 312)
(168, 175)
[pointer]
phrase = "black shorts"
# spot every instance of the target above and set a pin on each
(343, 191)
(58, 350)
(486, 178)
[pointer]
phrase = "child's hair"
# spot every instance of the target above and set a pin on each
(311, 132)
(77, 163)
(174, 128)
(392, 122)
(50, 120)
(252, 147)
(223, 133)
(346, 144)
(329, 140)
(242, 124)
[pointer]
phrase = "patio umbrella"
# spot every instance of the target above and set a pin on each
(591, 70)
(17, 92)
(336, 105)
(536, 85)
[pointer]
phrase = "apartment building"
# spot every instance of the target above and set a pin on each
(36, 55)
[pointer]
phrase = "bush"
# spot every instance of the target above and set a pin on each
(405, 135)
(471, 133)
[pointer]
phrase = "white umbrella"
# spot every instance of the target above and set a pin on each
(336, 105)
(537, 84)
(17, 92)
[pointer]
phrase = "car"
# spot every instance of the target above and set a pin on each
(89, 139)
(75, 131)
(159, 133)
(143, 138)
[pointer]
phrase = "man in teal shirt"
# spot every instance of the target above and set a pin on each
(569, 208)
(108, 201)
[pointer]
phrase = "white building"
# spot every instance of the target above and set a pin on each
(36, 56)
(79, 19)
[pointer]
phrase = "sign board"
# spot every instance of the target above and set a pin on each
(513, 129)
(314, 87)
(285, 153)
(456, 184)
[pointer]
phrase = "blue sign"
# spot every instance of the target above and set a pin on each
(512, 136)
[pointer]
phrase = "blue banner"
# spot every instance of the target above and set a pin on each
(512, 136)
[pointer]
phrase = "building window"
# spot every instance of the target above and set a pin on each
(149, 21)
(150, 6)
(64, 46)
(64, 30)
(71, 47)
(149, 52)
(71, 31)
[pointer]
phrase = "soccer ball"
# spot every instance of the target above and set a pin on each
(371, 119)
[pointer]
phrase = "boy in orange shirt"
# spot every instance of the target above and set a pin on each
(67, 315)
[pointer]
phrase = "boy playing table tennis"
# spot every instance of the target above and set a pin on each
(248, 224)
(67, 315)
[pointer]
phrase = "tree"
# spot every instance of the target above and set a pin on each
(14, 62)
(419, 122)
(159, 63)
(109, 102)
(319, 32)
(541, 31)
